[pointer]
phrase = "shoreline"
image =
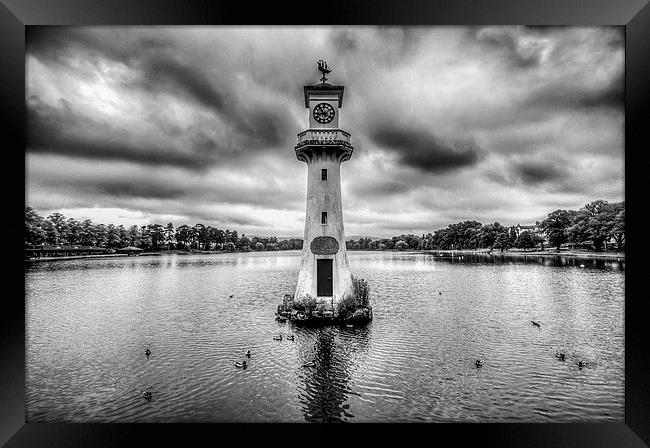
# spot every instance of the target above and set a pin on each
(537, 253)
(619, 256)
(76, 257)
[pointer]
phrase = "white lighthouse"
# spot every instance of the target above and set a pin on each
(324, 271)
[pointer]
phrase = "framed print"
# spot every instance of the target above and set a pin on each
(461, 266)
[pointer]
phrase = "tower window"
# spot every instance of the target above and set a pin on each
(323, 218)
(323, 174)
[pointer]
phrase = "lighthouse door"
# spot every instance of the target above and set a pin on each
(324, 277)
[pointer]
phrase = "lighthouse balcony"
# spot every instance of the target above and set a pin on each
(324, 137)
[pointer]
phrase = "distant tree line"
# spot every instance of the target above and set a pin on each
(596, 225)
(57, 230)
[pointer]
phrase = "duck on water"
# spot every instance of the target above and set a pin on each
(241, 364)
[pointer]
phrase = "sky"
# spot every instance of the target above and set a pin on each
(146, 125)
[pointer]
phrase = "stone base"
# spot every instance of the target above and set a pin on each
(323, 314)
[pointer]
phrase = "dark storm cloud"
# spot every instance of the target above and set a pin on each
(263, 126)
(135, 188)
(63, 131)
(161, 70)
(378, 187)
(419, 149)
(553, 96)
(57, 42)
(539, 172)
(257, 125)
(132, 182)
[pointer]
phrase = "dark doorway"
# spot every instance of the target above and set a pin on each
(324, 278)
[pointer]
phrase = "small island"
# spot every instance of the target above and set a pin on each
(351, 309)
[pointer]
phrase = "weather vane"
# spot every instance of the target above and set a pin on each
(324, 69)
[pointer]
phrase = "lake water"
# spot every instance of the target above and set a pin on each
(89, 321)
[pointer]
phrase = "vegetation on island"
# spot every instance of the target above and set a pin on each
(359, 299)
(355, 306)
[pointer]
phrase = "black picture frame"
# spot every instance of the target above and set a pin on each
(634, 15)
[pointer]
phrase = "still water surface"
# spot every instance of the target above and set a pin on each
(89, 321)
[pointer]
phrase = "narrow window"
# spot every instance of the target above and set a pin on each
(323, 174)
(323, 218)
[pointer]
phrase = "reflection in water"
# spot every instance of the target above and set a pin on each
(546, 260)
(327, 359)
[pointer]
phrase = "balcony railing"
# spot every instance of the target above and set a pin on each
(324, 136)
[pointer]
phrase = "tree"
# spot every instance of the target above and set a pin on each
(135, 236)
(34, 233)
(51, 234)
(594, 222)
(100, 235)
(125, 237)
(183, 235)
(157, 235)
(201, 234)
(75, 232)
(244, 241)
(556, 226)
(61, 225)
(502, 242)
(618, 227)
(526, 240)
(145, 237)
(259, 246)
(169, 235)
(87, 233)
(489, 233)
(401, 245)
(114, 239)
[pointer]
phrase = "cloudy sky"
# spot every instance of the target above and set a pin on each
(138, 125)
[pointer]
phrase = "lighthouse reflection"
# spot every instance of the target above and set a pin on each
(328, 358)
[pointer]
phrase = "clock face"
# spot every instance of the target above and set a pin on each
(323, 113)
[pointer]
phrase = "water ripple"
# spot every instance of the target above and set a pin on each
(88, 323)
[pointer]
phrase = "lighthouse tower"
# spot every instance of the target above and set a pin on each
(324, 271)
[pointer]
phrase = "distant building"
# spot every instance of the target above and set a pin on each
(62, 251)
(129, 250)
(531, 228)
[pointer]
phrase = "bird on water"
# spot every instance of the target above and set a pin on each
(277, 338)
(582, 364)
(248, 353)
(241, 364)
(146, 395)
(560, 356)
(479, 363)
(290, 337)
(537, 324)
(147, 352)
